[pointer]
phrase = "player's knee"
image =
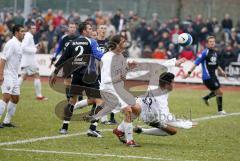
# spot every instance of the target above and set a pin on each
(219, 92)
(136, 110)
(173, 132)
(15, 100)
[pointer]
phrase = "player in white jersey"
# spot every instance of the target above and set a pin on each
(29, 65)
(113, 74)
(155, 111)
(9, 66)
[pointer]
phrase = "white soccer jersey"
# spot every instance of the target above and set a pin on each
(29, 50)
(154, 105)
(113, 68)
(12, 53)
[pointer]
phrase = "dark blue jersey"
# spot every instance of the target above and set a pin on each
(209, 62)
(103, 45)
(78, 55)
(63, 43)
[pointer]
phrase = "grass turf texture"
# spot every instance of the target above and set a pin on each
(216, 139)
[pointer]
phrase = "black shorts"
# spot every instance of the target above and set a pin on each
(212, 84)
(78, 85)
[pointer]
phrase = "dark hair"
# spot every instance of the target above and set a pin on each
(30, 25)
(82, 26)
(114, 41)
(16, 28)
(72, 23)
(166, 77)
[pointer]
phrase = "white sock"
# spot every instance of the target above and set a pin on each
(38, 87)
(80, 104)
(11, 108)
(104, 118)
(128, 129)
(2, 107)
(20, 81)
(154, 131)
(121, 126)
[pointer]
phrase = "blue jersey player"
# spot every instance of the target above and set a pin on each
(209, 62)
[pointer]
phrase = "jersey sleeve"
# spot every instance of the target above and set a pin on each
(59, 48)
(27, 47)
(201, 58)
(7, 51)
(97, 53)
(64, 57)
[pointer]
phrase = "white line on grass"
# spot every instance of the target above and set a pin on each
(215, 116)
(83, 133)
(86, 154)
(45, 138)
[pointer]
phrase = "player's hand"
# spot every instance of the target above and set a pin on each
(53, 79)
(132, 65)
(185, 76)
(180, 61)
(223, 74)
(53, 59)
(39, 47)
(1, 79)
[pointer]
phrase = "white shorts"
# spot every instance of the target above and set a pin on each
(117, 96)
(10, 86)
(30, 70)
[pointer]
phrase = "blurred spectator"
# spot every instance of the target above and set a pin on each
(57, 20)
(154, 23)
(227, 56)
(187, 53)
(51, 38)
(172, 52)
(227, 23)
(116, 19)
(147, 52)
(100, 19)
(18, 19)
(160, 52)
(29, 20)
(49, 16)
(110, 29)
(35, 14)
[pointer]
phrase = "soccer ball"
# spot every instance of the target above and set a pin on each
(185, 39)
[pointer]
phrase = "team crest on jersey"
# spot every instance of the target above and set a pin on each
(66, 44)
(102, 49)
(213, 61)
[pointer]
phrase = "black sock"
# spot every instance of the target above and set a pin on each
(93, 109)
(93, 125)
(67, 92)
(219, 103)
(65, 126)
(210, 95)
(112, 116)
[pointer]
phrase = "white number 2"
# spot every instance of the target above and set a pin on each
(80, 49)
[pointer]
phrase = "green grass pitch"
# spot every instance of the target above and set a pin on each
(215, 139)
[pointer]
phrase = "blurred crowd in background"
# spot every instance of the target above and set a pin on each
(150, 38)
